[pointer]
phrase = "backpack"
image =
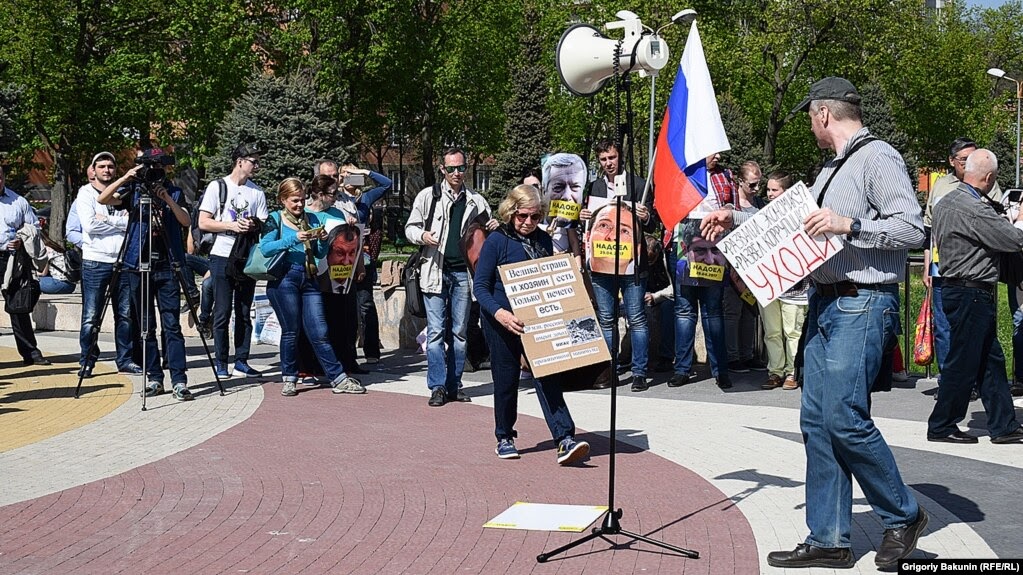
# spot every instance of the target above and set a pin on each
(203, 241)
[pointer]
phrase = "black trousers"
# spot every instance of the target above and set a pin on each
(21, 323)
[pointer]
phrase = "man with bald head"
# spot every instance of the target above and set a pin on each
(970, 235)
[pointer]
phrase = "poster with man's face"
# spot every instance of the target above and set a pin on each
(612, 230)
(564, 179)
(336, 272)
(699, 261)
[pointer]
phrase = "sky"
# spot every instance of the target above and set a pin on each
(986, 3)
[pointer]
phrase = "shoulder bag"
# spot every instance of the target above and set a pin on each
(260, 267)
(415, 306)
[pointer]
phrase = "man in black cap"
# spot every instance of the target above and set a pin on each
(867, 199)
(243, 202)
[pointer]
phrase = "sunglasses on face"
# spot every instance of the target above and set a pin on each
(533, 217)
(452, 169)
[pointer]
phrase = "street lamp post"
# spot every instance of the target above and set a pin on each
(999, 73)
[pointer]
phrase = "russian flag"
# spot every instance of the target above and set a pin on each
(691, 131)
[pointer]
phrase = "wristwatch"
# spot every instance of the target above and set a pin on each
(854, 229)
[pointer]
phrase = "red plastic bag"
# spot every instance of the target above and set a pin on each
(923, 347)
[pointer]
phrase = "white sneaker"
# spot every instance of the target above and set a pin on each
(900, 376)
(349, 385)
(289, 389)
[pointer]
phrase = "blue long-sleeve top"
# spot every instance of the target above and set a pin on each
(502, 248)
(270, 244)
(364, 203)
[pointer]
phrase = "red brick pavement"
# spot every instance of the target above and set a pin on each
(379, 483)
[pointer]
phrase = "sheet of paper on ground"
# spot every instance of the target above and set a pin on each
(772, 252)
(547, 517)
(561, 329)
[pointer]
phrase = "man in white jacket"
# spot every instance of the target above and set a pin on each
(439, 217)
(103, 230)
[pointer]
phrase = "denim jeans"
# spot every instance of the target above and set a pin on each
(368, 318)
(298, 303)
(53, 286)
(165, 295)
(707, 301)
(632, 289)
(447, 318)
(973, 350)
(231, 296)
(941, 329)
(96, 277)
(845, 340)
(505, 350)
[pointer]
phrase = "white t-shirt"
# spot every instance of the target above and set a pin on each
(243, 201)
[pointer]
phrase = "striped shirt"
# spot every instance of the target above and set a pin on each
(874, 187)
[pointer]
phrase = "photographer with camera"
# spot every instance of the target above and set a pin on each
(155, 236)
(241, 212)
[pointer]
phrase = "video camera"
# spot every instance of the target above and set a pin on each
(153, 161)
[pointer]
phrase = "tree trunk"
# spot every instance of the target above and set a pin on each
(60, 195)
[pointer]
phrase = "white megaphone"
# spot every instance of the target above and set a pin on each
(586, 58)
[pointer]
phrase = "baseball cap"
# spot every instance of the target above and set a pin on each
(103, 156)
(246, 150)
(830, 88)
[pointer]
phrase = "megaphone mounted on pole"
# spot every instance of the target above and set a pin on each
(586, 58)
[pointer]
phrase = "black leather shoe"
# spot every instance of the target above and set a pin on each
(1014, 437)
(957, 436)
(639, 383)
(85, 372)
(900, 543)
(678, 380)
(130, 369)
(809, 556)
(38, 360)
(724, 382)
(459, 396)
(439, 397)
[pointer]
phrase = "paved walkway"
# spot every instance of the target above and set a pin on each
(253, 482)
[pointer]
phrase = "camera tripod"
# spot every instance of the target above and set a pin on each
(141, 217)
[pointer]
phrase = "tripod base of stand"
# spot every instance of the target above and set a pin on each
(611, 526)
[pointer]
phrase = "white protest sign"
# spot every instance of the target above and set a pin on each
(772, 252)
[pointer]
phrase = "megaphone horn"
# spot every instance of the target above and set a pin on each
(585, 59)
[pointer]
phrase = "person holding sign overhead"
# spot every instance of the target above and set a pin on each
(865, 196)
(518, 239)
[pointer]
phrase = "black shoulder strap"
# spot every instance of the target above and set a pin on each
(433, 205)
(223, 196)
(856, 147)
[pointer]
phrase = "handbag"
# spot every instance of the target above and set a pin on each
(411, 276)
(22, 295)
(260, 267)
(923, 345)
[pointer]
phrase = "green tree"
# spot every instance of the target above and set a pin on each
(289, 120)
(527, 120)
(878, 118)
(10, 136)
(741, 135)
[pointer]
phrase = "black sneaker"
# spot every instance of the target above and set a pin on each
(678, 380)
(724, 382)
(639, 383)
(459, 396)
(755, 364)
(439, 397)
(738, 367)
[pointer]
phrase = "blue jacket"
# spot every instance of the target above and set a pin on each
(502, 248)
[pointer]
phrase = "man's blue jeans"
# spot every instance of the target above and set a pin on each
(941, 329)
(96, 277)
(1017, 334)
(974, 350)
(845, 340)
(447, 318)
(299, 305)
(632, 289)
(231, 296)
(707, 300)
(165, 293)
